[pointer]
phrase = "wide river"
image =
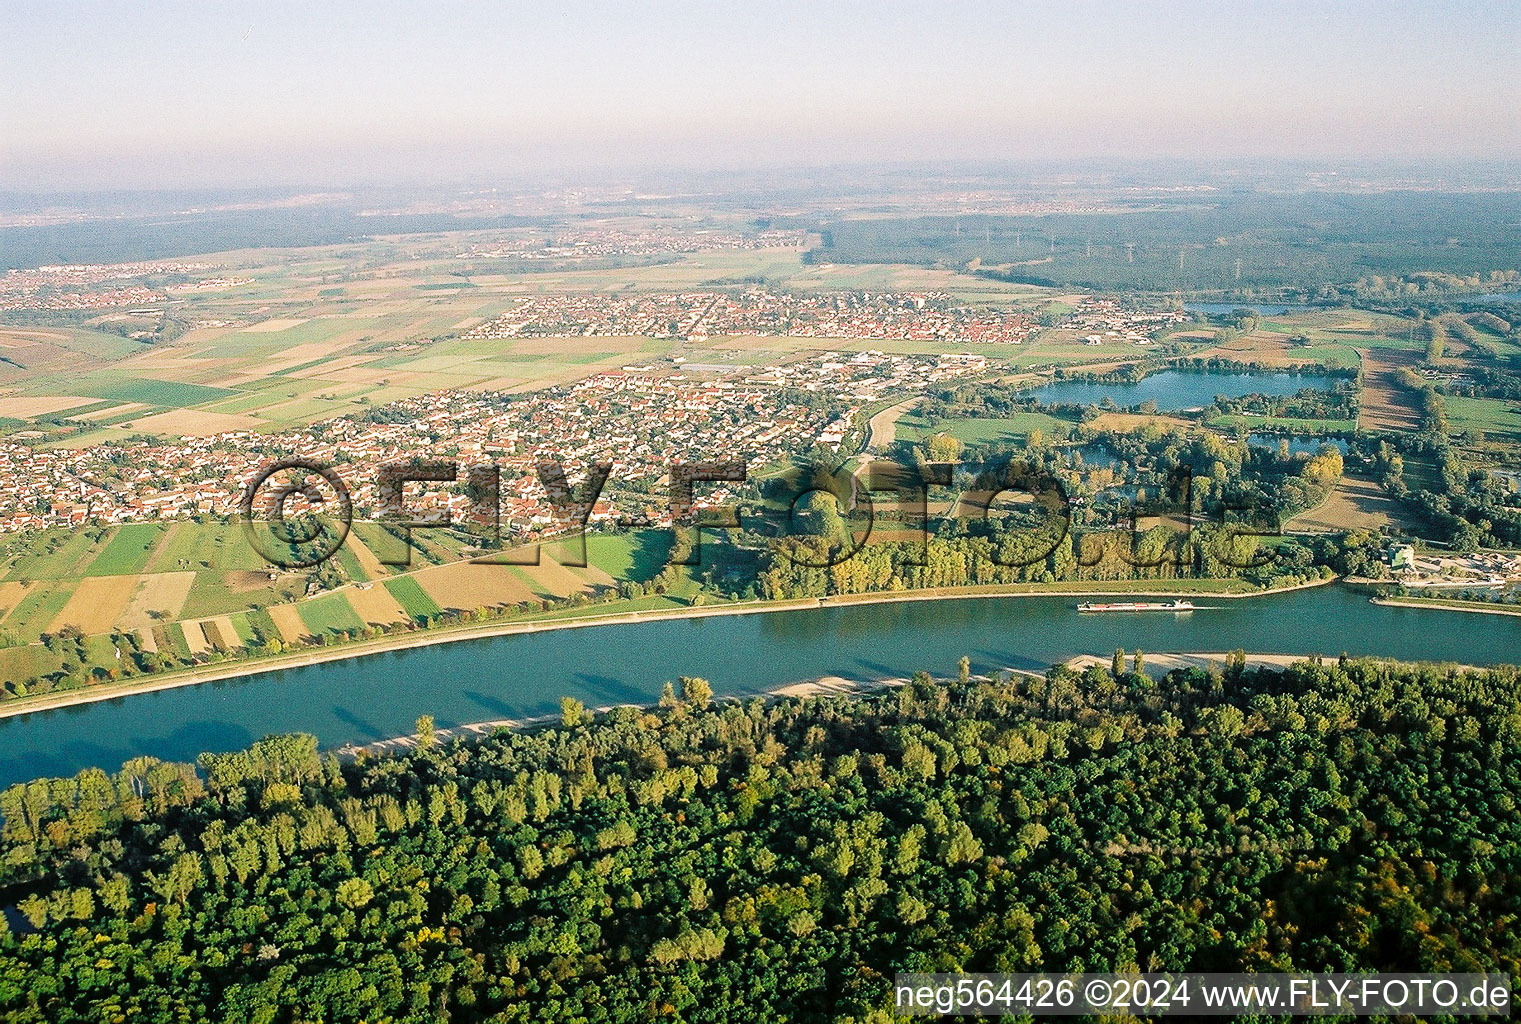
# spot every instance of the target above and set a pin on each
(521, 675)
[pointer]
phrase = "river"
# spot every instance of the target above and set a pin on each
(522, 675)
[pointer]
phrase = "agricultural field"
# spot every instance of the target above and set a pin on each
(412, 598)
(197, 589)
(1354, 504)
(1239, 423)
(1327, 337)
(129, 549)
(1492, 417)
(636, 555)
(1385, 403)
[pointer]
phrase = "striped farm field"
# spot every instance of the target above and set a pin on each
(171, 638)
(97, 602)
(550, 579)
(366, 558)
(221, 634)
(372, 542)
(242, 628)
(195, 637)
(590, 574)
(375, 604)
(412, 598)
(469, 585)
(288, 621)
(11, 594)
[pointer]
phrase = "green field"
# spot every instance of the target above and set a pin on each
(349, 562)
(37, 610)
(379, 540)
(1495, 416)
(329, 614)
(128, 551)
(261, 625)
(982, 430)
(101, 650)
(18, 664)
(56, 555)
(211, 594)
(173, 640)
(171, 394)
(634, 556)
(221, 546)
(411, 597)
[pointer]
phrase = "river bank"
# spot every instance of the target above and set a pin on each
(1474, 607)
(453, 634)
(478, 730)
(1155, 662)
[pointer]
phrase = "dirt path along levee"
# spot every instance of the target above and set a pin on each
(882, 429)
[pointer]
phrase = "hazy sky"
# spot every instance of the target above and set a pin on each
(106, 94)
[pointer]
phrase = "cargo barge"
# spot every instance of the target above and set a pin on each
(1138, 606)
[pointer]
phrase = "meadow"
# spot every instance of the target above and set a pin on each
(1492, 417)
(982, 430)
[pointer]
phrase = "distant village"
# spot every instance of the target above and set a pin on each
(698, 315)
(89, 286)
(612, 243)
(1099, 320)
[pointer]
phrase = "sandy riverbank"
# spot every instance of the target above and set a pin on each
(427, 638)
(809, 688)
(1165, 663)
(1160, 663)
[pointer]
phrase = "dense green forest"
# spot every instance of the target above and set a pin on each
(180, 234)
(774, 861)
(1308, 242)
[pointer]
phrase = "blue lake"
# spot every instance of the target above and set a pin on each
(1176, 390)
(1297, 445)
